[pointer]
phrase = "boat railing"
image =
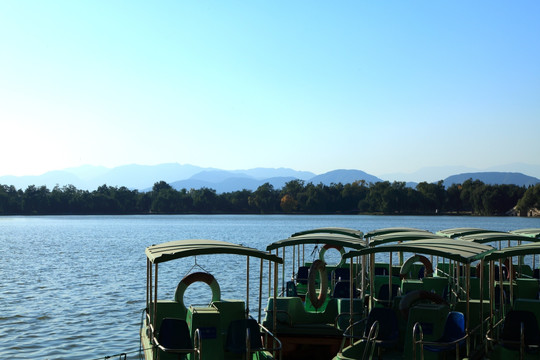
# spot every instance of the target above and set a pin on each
(350, 336)
(196, 350)
(349, 331)
(524, 345)
(270, 337)
(349, 315)
(417, 331)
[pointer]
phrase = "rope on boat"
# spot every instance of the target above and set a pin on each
(121, 356)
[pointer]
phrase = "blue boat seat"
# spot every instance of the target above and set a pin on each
(174, 337)
(454, 330)
(237, 339)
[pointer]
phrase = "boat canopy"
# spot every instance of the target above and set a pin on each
(404, 236)
(464, 231)
(497, 236)
(391, 230)
(336, 239)
(533, 232)
(518, 250)
(184, 248)
(458, 250)
(332, 230)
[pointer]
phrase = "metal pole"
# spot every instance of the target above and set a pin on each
(390, 280)
(283, 274)
(371, 280)
(467, 319)
(247, 288)
(155, 301)
(293, 261)
(351, 288)
(260, 288)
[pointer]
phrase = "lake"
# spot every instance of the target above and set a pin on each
(73, 287)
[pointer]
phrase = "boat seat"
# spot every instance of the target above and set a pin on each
(514, 322)
(408, 285)
(302, 275)
(454, 330)
(342, 290)
(529, 305)
(527, 288)
(174, 337)
(383, 297)
(506, 298)
(243, 336)
(341, 274)
(388, 335)
(438, 285)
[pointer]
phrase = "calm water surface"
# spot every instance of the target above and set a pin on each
(73, 287)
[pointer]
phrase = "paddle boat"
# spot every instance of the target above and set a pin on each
(218, 329)
(514, 332)
(315, 306)
(421, 317)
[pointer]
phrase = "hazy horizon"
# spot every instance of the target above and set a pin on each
(393, 87)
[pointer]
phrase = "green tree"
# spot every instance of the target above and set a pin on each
(36, 200)
(433, 196)
(265, 199)
(204, 200)
(530, 199)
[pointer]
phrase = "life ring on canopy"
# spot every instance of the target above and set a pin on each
(415, 296)
(318, 266)
(338, 248)
(195, 277)
(406, 267)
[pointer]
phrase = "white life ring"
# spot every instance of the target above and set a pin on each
(317, 300)
(406, 267)
(195, 277)
(337, 247)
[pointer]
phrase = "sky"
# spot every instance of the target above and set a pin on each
(378, 86)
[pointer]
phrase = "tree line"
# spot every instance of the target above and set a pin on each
(296, 197)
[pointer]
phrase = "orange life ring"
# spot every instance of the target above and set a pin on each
(195, 277)
(338, 248)
(406, 267)
(317, 300)
(414, 296)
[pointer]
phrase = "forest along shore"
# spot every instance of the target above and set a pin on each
(296, 197)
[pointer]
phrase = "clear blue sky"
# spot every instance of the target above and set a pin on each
(380, 86)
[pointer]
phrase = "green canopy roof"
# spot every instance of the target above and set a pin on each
(404, 236)
(391, 230)
(184, 248)
(459, 250)
(518, 250)
(336, 239)
(532, 232)
(332, 230)
(464, 231)
(497, 236)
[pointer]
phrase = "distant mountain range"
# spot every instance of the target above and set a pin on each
(143, 177)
